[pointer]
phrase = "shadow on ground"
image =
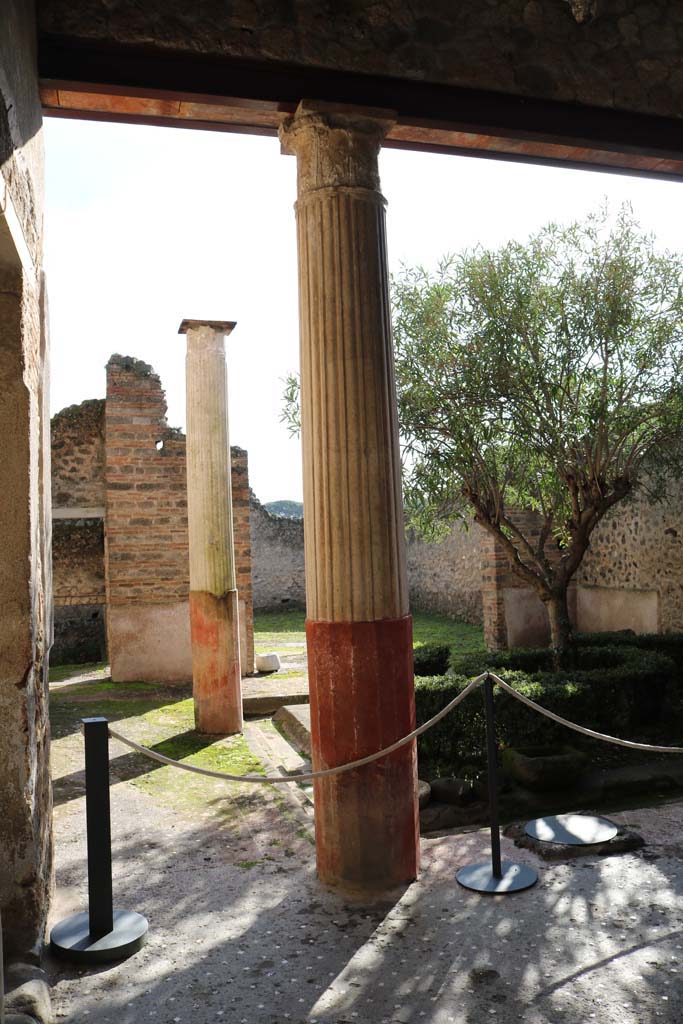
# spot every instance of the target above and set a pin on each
(240, 929)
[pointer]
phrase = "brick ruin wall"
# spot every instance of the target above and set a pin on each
(121, 455)
(146, 545)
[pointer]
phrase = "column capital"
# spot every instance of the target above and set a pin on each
(217, 326)
(336, 144)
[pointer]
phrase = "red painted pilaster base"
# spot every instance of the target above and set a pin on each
(362, 699)
(216, 681)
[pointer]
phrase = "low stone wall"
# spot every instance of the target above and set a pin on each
(277, 559)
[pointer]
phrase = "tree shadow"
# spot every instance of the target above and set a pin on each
(240, 928)
(133, 765)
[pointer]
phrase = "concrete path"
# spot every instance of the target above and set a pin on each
(241, 931)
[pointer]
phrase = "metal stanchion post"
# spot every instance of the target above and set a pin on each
(495, 876)
(102, 933)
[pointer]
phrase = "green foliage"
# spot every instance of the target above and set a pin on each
(431, 659)
(546, 377)
(288, 509)
(429, 628)
(278, 630)
(616, 690)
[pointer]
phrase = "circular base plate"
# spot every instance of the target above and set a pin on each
(480, 877)
(71, 938)
(572, 829)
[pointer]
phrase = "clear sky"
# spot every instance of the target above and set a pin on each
(146, 226)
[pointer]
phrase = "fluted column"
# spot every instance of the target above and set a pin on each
(359, 633)
(214, 615)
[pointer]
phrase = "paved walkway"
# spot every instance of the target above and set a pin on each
(241, 930)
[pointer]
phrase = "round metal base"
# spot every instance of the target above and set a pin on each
(480, 877)
(71, 938)
(572, 829)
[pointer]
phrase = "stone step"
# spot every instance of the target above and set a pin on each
(264, 696)
(294, 722)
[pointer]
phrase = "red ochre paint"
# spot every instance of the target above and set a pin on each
(216, 682)
(362, 699)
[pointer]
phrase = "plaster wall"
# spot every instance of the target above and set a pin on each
(601, 609)
(150, 642)
(25, 585)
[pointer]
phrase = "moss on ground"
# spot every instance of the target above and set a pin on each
(166, 726)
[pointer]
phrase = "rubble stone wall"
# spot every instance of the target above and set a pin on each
(445, 576)
(627, 56)
(78, 456)
(277, 544)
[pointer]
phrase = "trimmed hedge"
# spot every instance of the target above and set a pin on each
(614, 689)
(431, 659)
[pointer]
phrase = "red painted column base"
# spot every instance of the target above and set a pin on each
(362, 699)
(216, 678)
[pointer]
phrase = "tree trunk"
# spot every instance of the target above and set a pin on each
(560, 626)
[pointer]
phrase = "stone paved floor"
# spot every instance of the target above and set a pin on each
(240, 930)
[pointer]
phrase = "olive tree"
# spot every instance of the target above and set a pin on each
(545, 376)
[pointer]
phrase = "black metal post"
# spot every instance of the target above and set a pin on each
(492, 759)
(98, 826)
(495, 876)
(101, 934)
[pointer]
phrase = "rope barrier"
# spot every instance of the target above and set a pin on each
(270, 780)
(580, 728)
(308, 776)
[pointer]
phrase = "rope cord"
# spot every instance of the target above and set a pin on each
(580, 728)
(270, 780)
(308, 776)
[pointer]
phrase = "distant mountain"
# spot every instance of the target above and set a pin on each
(290, 509)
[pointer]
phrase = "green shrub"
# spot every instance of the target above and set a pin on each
(616, 691)
(431, 659)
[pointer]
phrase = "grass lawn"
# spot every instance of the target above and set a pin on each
(58, 673)
(284, 632)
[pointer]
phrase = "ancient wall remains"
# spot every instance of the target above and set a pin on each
(146, 543)
(25, 582)
(629, 56)
(78, 497)
(78, 459)
(631, 578)
(277, 544)
(637, 550)
(445, 576)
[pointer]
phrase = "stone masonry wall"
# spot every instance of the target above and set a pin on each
(146, 519)
(445, 576)
(629, 56)
(631, 577)
(639, 548)
(78, 496)
(277, 544)
(78, 456)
